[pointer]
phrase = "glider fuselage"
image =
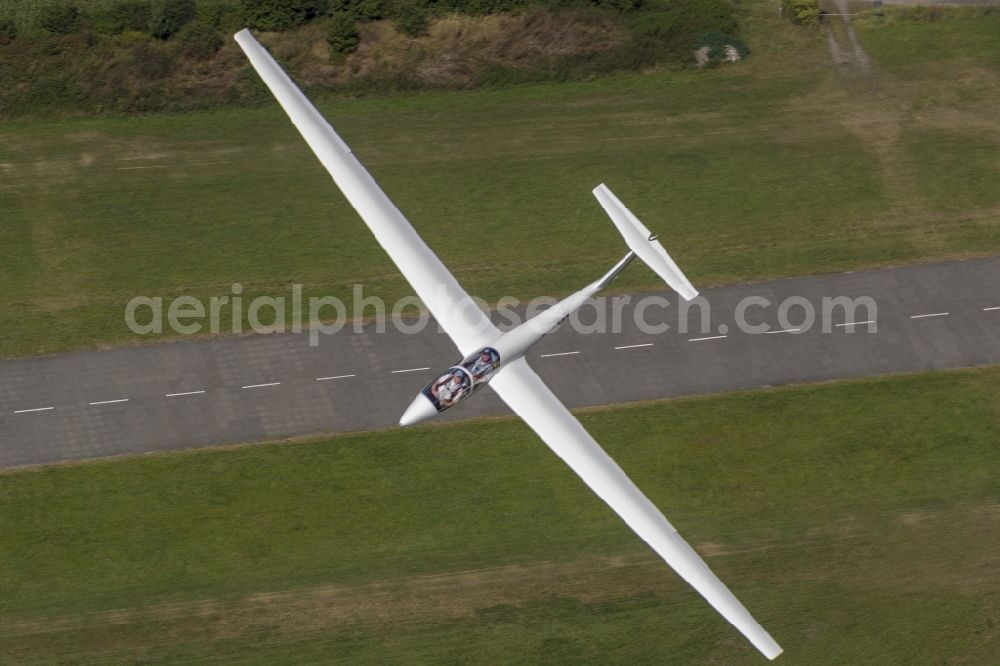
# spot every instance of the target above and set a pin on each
(459, 382)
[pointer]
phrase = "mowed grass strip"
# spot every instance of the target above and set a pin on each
(857, 520)
(773, 167)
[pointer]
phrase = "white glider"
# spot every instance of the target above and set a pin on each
(496, 358)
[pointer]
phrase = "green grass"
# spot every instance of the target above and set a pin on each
(899, 41)
(857, 520)
(770, 168)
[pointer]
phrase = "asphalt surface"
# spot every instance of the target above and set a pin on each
(250, 388)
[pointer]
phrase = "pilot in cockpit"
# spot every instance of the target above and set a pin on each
(449, 390)
(482, 366)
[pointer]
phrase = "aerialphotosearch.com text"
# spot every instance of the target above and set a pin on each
(652, 314)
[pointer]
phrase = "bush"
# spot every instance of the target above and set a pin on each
(8, 31)
(500, 6)
(133, 37)
(620, 5)
(224, 15)
(411, 17)
(803, 12)
(273, 15)
(360, 10)
(59, 19)
(122, 16)
(342, 34)
(199, 41)
(717, 43)
(167, 17)
(150, 61)
(667, 28)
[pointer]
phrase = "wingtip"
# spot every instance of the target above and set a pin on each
(242, 34)
(767, 645)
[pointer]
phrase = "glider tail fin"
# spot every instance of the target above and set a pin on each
(643, 243)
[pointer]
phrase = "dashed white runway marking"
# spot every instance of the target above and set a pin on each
(554, 354)
(647, 344)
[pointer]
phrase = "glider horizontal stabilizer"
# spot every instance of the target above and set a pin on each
(644, 243)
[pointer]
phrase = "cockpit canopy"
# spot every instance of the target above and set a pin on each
(482, 364)
(460, 381)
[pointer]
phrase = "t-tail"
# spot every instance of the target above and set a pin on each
(643, 243)
(459, 382)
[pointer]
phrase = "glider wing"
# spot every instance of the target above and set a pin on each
(454, 309)
(528, 396)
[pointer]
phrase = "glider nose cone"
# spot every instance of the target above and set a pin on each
(420, 409)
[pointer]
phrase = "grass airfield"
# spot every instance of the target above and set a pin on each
(776, 167)
(857, 520)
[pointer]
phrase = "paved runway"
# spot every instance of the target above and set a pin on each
(252, 388)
